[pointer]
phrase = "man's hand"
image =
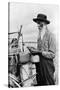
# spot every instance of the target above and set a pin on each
(33, 50)
(44, 53)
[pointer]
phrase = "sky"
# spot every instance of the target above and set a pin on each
(23, 14)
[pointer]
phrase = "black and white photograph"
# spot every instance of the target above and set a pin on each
(32, 44)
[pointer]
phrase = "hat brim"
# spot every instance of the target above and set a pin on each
(41, 20)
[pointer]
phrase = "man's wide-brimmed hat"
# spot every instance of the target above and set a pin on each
(41, 18)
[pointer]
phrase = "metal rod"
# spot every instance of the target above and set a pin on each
(12, 33)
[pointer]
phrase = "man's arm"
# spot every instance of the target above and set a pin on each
(49, 55)
(51, 48)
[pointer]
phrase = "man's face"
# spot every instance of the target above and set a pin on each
(41, 25)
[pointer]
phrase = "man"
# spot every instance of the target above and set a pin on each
(46, 50)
